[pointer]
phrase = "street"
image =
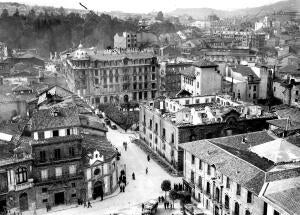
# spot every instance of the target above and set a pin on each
(143, 188)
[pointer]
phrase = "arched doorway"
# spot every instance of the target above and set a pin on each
(111, 99)
(98, 190)
(218, 194)
(23, 202)
(126, 98)
(216, 210)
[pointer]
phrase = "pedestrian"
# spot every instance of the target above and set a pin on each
(133, 176)
(148, 158)
(168, 204)
(47, 207)
(159, 199)
(165, 205)
(84, 204)
(89, 204)
(143, 206)
(146, 170)
(171, 206)
(162, 199)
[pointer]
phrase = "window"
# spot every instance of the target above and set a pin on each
(41, 135)
(208, 169)
(73, 195)
(44, 174)
(55, 133)
(200, 164)
(249, 87)
(192, 176)
(296, 92)
(21, 175)
(71, 151)
(193, 159)
(96, 72)
(208, 188)
(226, 202)
(197, 84)
(72, 169)
(200, 182)
(172, 138)
(58, 171)
(153, 76)
(45, 200)
(265, 209)
(274, 89)
(238, 189)
(276, 212)
(187, 102)
(73, 184)
(145, 85)
(56, 154)
(254, 88)
(247, 212)
(236, 208)
(69, 131)
(97, 171)
(197, 101)
(96, 81)
(42, 156)
(44, 190)
(228, 182)
(254, 95)
(249, 197)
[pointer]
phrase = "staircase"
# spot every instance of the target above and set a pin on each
(157, 158)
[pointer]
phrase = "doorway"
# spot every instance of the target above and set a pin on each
(2, 206)
(23, 201)
(59, 198)
(98, 190)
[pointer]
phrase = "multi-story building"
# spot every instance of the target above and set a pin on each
(249, 83)
(202, 78)
(167, 123)
(253, 173)
(16, 176)
(112, 76)
(171, 77)
(135, 40)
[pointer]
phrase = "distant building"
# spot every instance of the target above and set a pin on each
(167, 123)
(112, 76)
(252, 173)
(134, 40)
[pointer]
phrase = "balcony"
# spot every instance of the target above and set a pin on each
(62, 178)
(24, 185)
(52, 160)
(163, 138)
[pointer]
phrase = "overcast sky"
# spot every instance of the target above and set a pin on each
(144, 6)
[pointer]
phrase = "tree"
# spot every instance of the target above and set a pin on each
(173, 195)
(4, 13)
(16, 14)
(160, 16)
(166, 186)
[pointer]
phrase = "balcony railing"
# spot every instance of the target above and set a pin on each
(62, 158)
(63, 177)
(24, 185)
(199, 186)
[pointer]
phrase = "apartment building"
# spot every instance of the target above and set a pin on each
(243, 174)
(168, 122)
(112, 76)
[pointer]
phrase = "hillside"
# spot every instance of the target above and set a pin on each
(201, 13)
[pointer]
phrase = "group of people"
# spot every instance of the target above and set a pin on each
(81, 202)
(167, 204)
(122, 181)
(178, 187)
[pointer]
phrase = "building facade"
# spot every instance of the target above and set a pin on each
(112, 77)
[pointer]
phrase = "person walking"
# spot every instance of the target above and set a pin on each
(146, 170)
(84, 204)
(143, 206)
(133, 176)
(89, 204)
(148, 158)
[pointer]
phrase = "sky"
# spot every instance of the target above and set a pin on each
(143, 6)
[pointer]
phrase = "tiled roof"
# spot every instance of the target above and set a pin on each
(91, 143)
(285, 124)
(245, 71)
(204, 64)
(93, 122)
(13, 128)
(238, 170)
(288, 200)
(294, 139)
(109, 57)
(289, 112)
(44, 119)
(290, 69)
(189, 72)
(21, 88)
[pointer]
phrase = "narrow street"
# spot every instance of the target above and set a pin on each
(144, 188)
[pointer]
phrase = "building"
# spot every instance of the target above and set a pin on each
(167, 123)
(112, 76)
(253, 173)
(249, 83)
(16, 175)
(134, 40)
(202, 78)
(171, 78)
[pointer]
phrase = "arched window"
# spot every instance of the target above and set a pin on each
(247, 212)
(21, 175)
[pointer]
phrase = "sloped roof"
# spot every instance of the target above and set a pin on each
(240, 171)
(44, 119)
(290, 69)
(285, 124)
(288, 200)
(204, 64)
(245, 71)
(289, 112)
(278, 150)
(189, 72)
